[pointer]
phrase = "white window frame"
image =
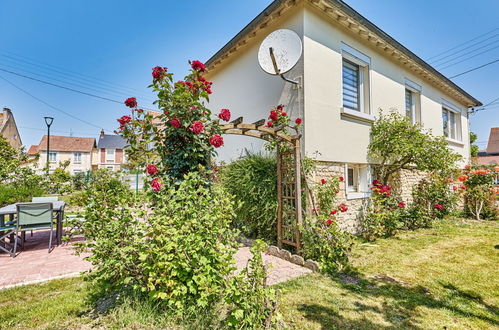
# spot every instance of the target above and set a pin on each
(77, 160)
(362, 181)
(415, 91)
(109, 167)
(108, 159)
(363, 62)
(456, 128)
(54, 160)
(77, 170)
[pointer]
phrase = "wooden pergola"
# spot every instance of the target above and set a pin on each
(289, 211)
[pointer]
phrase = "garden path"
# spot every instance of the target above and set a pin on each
(34, 264)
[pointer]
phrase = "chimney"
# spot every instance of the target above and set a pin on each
(101, 133)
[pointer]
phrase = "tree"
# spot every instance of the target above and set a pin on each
(399, 144)
(10, 159)
(473, 147)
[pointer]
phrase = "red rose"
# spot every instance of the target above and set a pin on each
(217, 141)
(274, 116)
(402, 205)
(284, 114)
(196, 127)
(333, 212)
(323, 181)
(131, 102)
(463, 187)
(343, 207)
(439, 207)
(376, 183)
(224, 114)
(454, 187)
(175, 122)
(270, 124)
(298, 121)
(140, 110)
(158, 72)
(280, 107)
(151, 169)
(198, 66)
(124, 120)
(342, 179)
(329, 222)
(155, 184)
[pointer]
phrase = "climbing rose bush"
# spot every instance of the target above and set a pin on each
(479, 191)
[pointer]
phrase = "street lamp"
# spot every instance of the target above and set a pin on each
(48, 121)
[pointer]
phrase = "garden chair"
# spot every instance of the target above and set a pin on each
(33, 216)
(75, 222)
(5, 231)
(45, 199)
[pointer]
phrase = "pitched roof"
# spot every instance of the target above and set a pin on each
(343, 14)
(33, 150)
(67, 143)
(487, 160)
(493, 144)
(111, 142)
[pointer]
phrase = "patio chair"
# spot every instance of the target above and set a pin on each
(5, 231)
(45, 199)
(75, 223)
(33, 216)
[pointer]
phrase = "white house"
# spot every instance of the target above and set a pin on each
(349, 70)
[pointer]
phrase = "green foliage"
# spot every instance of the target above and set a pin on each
(10, 159)
(10, 193)
(60, 180)
(417, 217)
(433, 191)
(78, 181)
(480, 192)
(322, 238)
(398, 144)
(252, 180)
(473, 147)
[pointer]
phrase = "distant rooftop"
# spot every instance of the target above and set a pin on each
(67, 143)
(493, 144)
(107, 141)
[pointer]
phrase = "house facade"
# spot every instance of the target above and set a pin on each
(76, 150)
(110, 152)
(349, 71)
(8, 128)
(490, 156)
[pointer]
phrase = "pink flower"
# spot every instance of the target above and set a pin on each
(196, 127)
(151, 169)
(155, 184)
(323, 181)
(175, 122)
(216, 141)
(198, 66)
(131, 102)
(158, 72)
(402, 205)
(224, 114)
(298, 121)
(124, 120)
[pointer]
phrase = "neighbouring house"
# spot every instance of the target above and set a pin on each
(110, 152)
(349, 70)
(490, 156)
(8, 128)
(78, 150)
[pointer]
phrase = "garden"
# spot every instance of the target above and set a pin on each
(164, 257)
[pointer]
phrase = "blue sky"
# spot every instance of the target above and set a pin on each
(118, 42)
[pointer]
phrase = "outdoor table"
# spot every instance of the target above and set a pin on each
(58, 207)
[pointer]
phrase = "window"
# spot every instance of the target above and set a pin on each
(451, 124)
(110, 153)
(110, 167)
(355, 81)
(412, 105)
(76, 171)
(358, 179)
(53, 157)
(77, 158)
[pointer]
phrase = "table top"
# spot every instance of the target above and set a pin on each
(12, 209)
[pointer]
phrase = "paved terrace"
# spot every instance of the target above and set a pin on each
(34, 264)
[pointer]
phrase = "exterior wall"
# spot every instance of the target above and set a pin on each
(86, 161)
(119, 159)
(244, 88)
(10, 132)
(404, 181)
(338, 138)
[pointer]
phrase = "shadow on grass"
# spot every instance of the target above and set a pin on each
(399, 305)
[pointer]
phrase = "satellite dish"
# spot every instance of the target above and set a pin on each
(279, 52)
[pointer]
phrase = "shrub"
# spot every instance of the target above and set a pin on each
(479, 191)
(15, 193)
(322, 238)
(252, 180)
(417, 217)
(435, 196)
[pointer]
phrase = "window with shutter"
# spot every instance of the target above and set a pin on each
(351, 85)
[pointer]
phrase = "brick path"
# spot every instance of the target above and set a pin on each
(34, 264)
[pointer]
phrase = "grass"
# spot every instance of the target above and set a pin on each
(444, 277)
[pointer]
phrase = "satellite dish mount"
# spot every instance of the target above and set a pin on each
(279, 53)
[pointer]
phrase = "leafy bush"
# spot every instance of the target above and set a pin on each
(434, 196)
(417, 217)
(14, 193)
(322, 239)
(385, 214)
(78, 181)
(252, 180)
(479, 192)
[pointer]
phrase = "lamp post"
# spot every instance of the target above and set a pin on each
(48, 121)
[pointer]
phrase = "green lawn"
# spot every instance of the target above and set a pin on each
(445, 277)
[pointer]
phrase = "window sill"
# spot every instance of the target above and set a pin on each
(357, 115)
(358, 195)
(456, 142)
